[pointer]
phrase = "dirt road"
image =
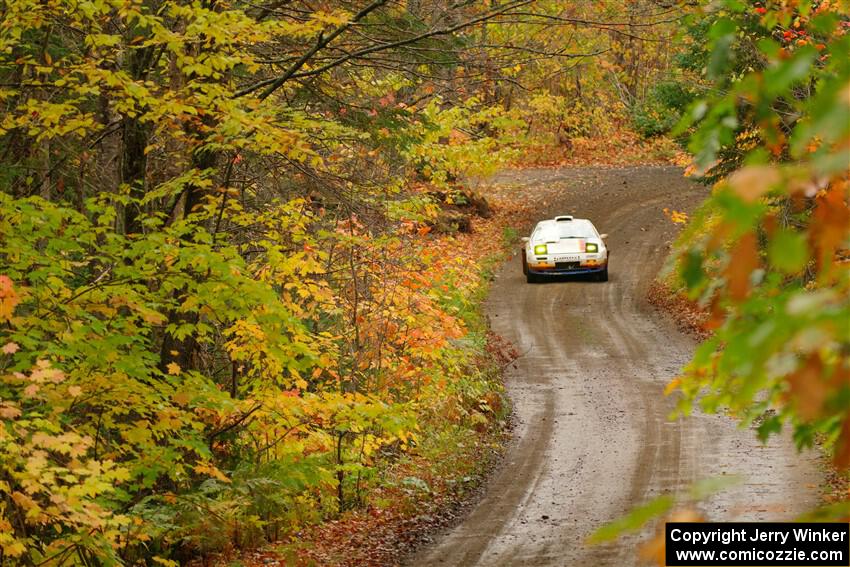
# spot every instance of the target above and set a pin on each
(592, 437)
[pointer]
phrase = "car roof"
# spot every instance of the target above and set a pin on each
(558, 224)
(562, 219)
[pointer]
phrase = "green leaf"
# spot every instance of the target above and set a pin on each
(708, 487)
(633, 520)
(788, 251)
(784, 74)
(770, 425)
(692, 272)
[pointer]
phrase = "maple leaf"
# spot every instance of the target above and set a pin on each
(14, 549)
(842, 453)
(173, 368)
(8, 411)
(212, 471)
(8, 298)
(752, 182)
(10, 348)
(672, 386)
(739, 269)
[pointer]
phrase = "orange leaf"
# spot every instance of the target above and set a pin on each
(744, 261)
(752, 182)
(655, 549)
(831, 221)
(842, 448)
(672, 386)
(808, 389)
(8, 298)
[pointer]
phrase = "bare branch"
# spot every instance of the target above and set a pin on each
(321, 42)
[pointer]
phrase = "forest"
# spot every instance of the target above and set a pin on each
(243, 253)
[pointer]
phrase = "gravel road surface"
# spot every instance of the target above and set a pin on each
(593, 437)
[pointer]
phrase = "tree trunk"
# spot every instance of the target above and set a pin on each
(134, 141)
(133, 168)
(174, 350)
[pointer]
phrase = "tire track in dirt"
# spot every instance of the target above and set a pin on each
(592, 437)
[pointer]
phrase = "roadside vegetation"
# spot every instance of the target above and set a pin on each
(762, 270)
(768, 254)
(232, 301)
(242, 258)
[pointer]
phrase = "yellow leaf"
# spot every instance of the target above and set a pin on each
(10, 348)
(181, 398)
(14, 549)
(212, 471)
(138, 434)
(153, 317)
(173, 368)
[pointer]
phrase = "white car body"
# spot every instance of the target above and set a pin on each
(565, 245)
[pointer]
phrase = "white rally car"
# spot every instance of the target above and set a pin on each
(565, 245)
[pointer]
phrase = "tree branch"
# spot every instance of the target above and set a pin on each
(293, 71)
(401, 43)
(321, 42)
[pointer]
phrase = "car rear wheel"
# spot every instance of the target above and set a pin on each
(531, 278)
(603, 275)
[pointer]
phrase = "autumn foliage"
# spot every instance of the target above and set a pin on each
(761, 271)
(768, 255)
(231, 304)
(230, 298)
(222, 314)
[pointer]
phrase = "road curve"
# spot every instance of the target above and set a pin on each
(592, 438)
